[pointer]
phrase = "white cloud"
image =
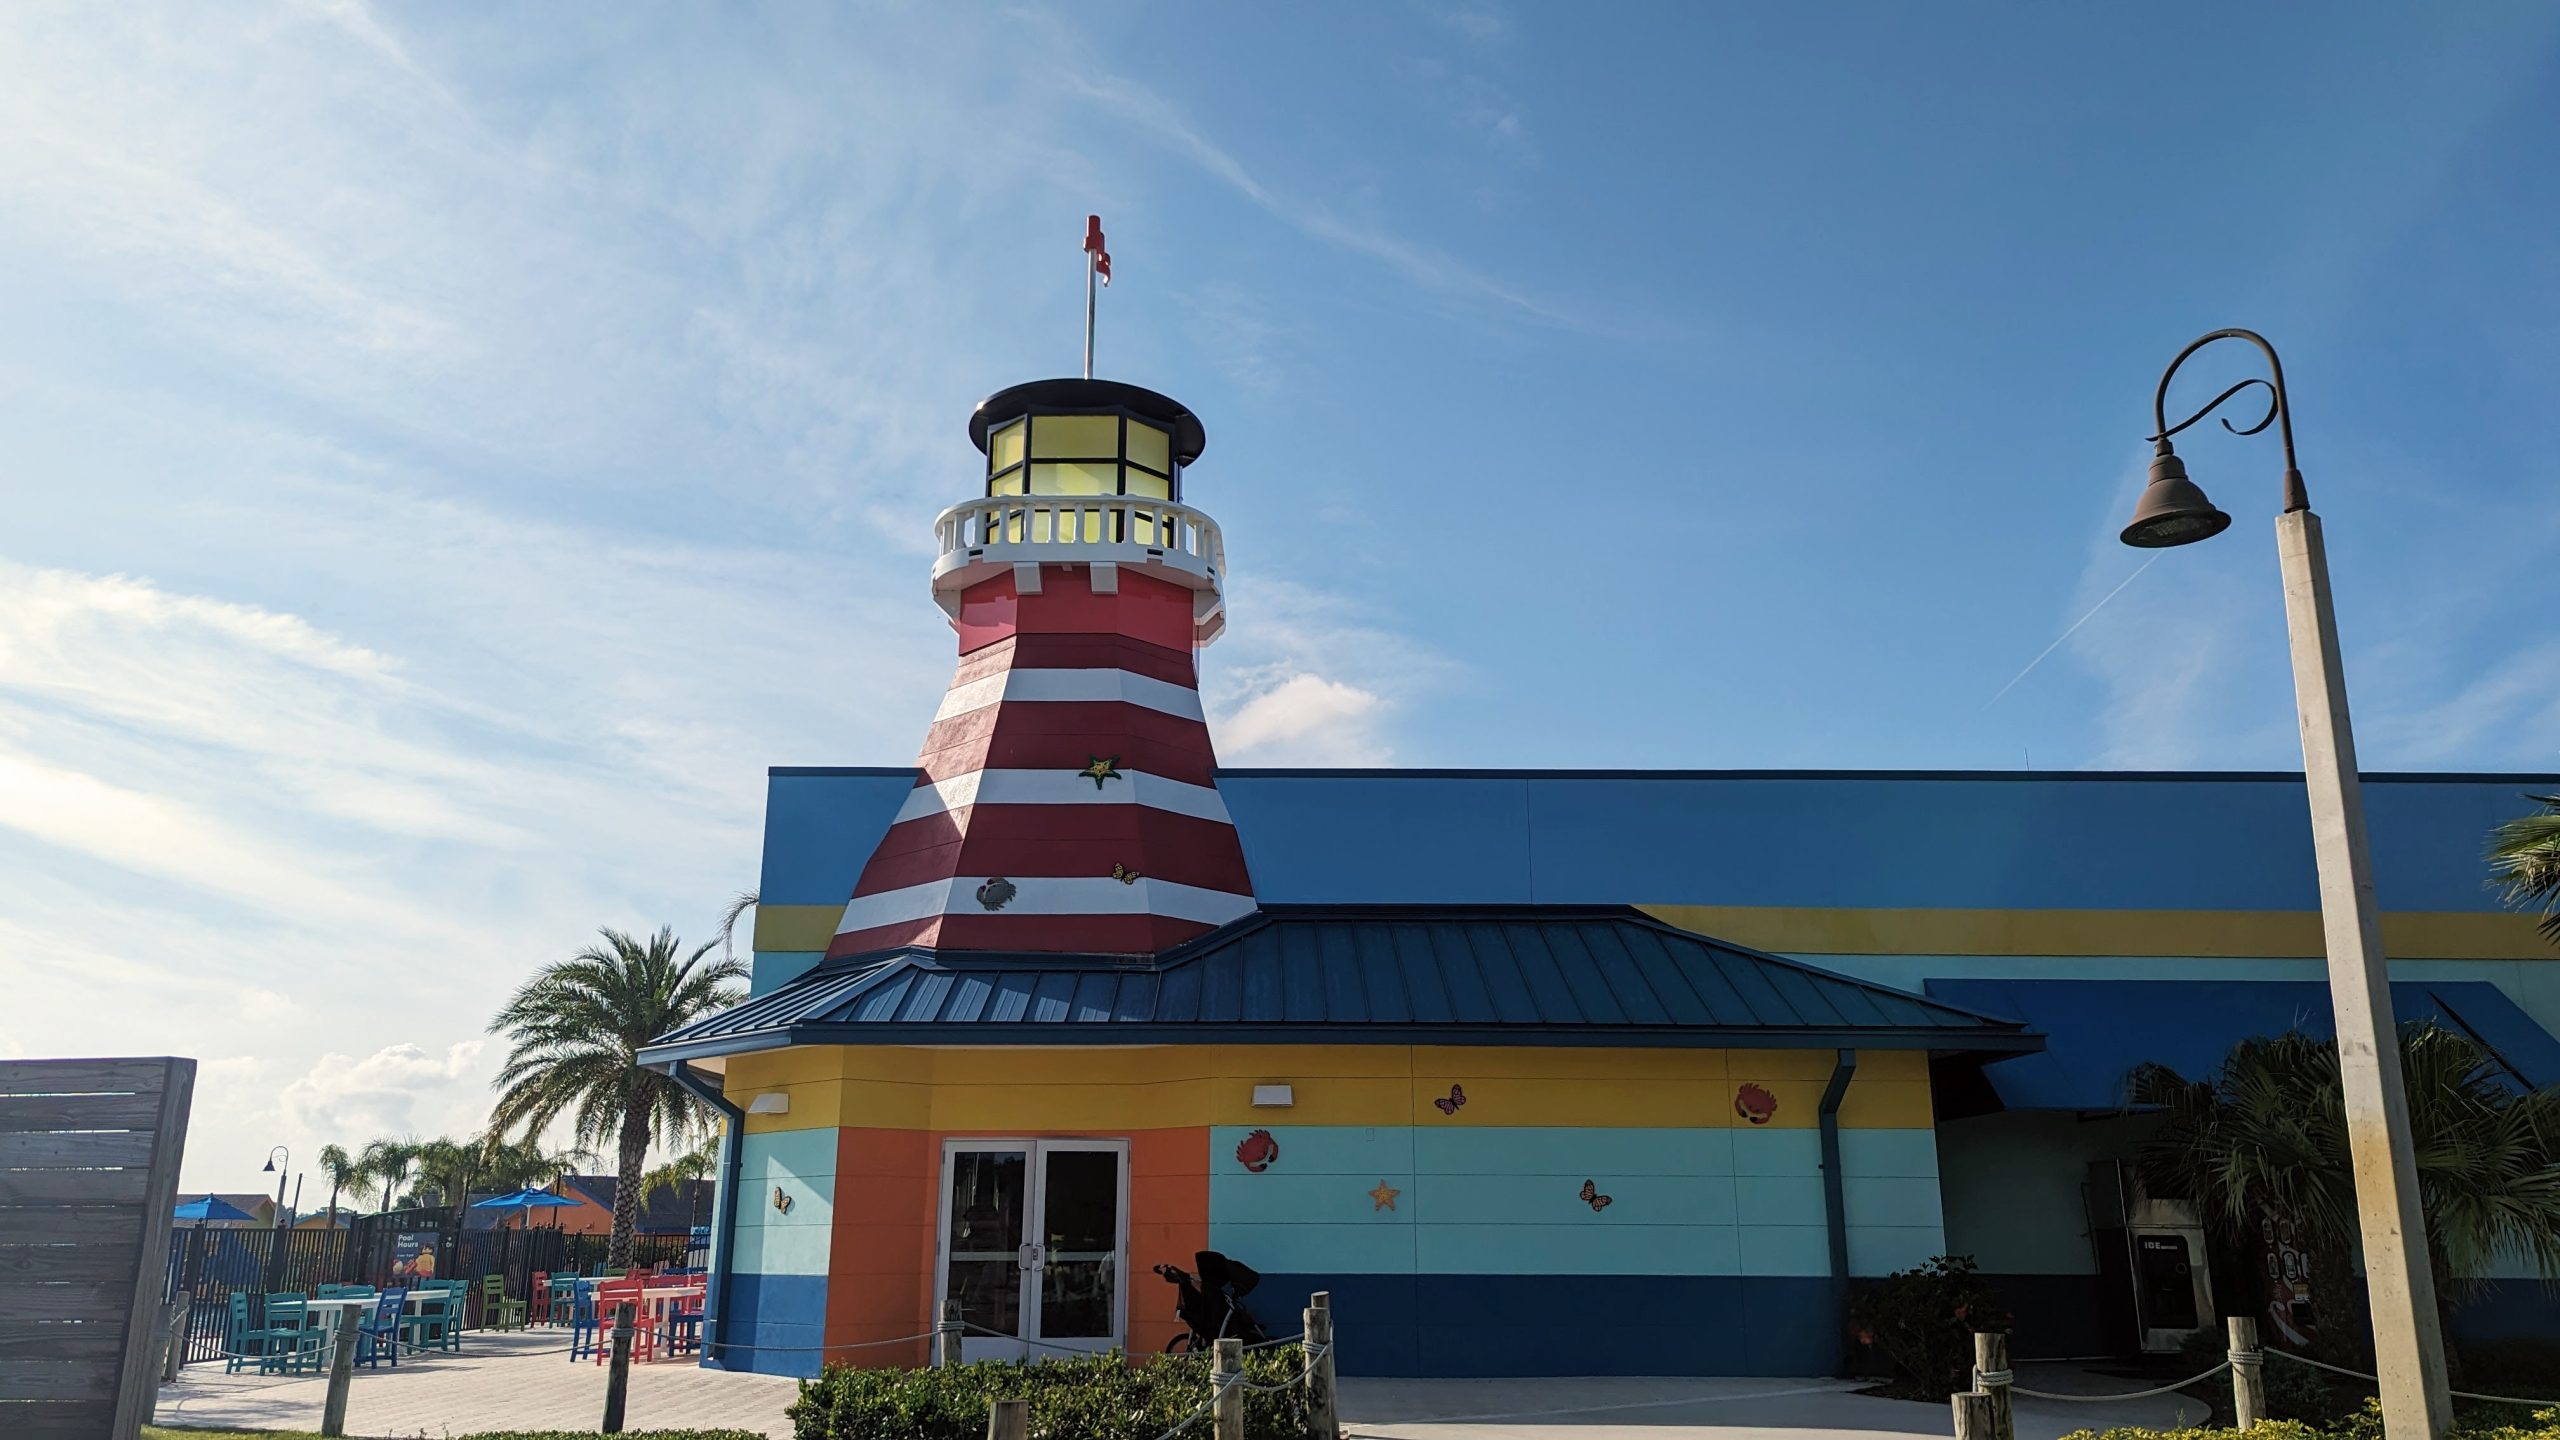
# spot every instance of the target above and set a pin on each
(400, 1089)
(1303, 719)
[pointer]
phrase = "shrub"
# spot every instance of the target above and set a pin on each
(1921, 1323)
(626, 1435)
(1100, 1397)
(2364, 1424)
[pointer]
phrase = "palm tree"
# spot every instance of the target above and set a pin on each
(343, 1172)
(682, 1173)
(447, 1167)
(2524, 859)
(524, 1164)
(2266, 1136)
(577, 1028)
(387, 1163)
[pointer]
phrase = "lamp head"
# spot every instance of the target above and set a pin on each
(2173, 511)
(270, 1166)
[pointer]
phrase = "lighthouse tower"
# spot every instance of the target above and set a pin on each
(1068, 798)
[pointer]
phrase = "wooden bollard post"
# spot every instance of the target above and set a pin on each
(2248, 1373)
(1009, 1420)
(342, 1374)
(1324, 1421)
(182, 1312)
(947, 1333)
(1227, 1375)
(1991, 1377)
(1973, 1415)
(617, 1377)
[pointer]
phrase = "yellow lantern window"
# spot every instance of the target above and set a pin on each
(1154, 487)
(1075, 479)
(1008, 483)
(1075, 437)
(1150, 447)
(1004, 446)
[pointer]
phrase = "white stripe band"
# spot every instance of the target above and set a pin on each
(1047, 895)
(1075, 686)
(1063, 787)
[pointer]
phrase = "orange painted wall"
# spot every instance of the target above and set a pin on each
(880, 1278)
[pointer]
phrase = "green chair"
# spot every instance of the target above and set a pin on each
(497, 1312)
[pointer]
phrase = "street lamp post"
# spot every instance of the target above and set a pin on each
(2408, 1344)
(275, 1242)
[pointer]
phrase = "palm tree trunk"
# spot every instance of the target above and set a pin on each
(626, 1182)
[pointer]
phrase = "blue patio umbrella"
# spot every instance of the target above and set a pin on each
(211, 1207)
(524, 1201)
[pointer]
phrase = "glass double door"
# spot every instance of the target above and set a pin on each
(1035, 1244)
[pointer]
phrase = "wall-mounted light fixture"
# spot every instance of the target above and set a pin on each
(772, 1102)
(1274, 1096)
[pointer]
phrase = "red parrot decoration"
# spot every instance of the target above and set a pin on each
(1257, 1150)
(1755, 1104)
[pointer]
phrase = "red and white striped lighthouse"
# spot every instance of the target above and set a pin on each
(1068, 798)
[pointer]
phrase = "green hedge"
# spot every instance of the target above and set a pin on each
(1101, 1397)
(2364, 1425)
(626, 1435)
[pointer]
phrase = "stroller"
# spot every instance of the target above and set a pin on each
(1211, 1304)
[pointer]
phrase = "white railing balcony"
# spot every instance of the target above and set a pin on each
(977, 539)
(1126, 529)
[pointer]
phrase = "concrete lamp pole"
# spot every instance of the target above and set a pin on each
(2408, 1344)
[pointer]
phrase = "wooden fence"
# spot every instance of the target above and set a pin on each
(89, 1153)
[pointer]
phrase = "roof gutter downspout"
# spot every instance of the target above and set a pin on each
(724, 1202)
(1835, 1205)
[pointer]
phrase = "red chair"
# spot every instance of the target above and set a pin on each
(538, 1311)
(644, 1336)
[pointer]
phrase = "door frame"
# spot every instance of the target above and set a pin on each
(1034, 1202)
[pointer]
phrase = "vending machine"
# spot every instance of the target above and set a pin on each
(2151, 1260)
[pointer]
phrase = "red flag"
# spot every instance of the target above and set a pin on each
(1093, 246)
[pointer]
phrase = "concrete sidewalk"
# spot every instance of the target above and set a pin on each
(527, 1382)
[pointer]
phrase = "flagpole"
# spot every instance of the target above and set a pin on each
(1088, 314)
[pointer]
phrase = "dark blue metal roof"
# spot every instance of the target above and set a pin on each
(1535, 975)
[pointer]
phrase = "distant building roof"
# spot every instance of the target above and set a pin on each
(667, 1212)
(1527, 975)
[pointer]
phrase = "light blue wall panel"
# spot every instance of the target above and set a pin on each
(1892, 1200)
(1883, 1152)
(1552, 1150)
(1786, 1250)
(1634, 1200)
(1779, 1199)
(784, 1249)
(1354, 1249)
(1274, 1198)
(1779, 1152)
(1883, 1249)
(772, 969)
(1316, 1150)
(1578, 1249)
(769, 1241)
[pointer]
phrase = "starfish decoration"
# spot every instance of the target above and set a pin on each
(1384, 1196)
(1101, 768)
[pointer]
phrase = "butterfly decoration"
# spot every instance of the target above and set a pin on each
(997, 893)
(1457, 1096)
(1755, 1104)
(781, 1200)
(1592, 1197)
(1256, 1151)
(1123, 873)
(1099, 768)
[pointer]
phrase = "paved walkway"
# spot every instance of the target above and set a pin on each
(526, 1382)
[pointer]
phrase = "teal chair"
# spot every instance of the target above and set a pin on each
(243, 1342)
(292, 1340)
(436, 1323)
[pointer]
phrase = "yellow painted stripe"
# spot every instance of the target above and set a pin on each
(796, 927)
(2211, 934)
(1124, 1088)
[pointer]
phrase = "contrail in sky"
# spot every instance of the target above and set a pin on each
(2075, 625)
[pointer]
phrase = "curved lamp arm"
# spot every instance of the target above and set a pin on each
(2279, 408)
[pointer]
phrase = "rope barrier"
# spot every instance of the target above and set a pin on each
(1982, 1379)
(2458, 1394)
(1206, 1406)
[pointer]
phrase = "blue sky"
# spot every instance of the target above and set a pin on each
(446, 458)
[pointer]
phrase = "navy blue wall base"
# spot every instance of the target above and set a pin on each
(1491, 1325)
(776, 1324)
